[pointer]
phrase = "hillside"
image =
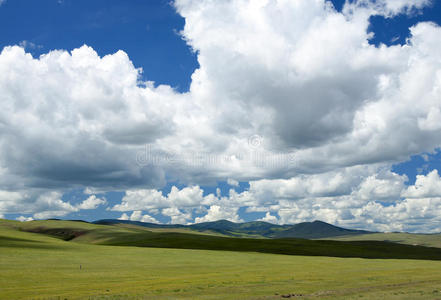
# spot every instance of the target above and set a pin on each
(315, 230)
(259, 229)
(428, 240)
(47, 267)
(132, 235)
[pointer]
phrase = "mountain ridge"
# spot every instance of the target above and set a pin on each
(306, 230)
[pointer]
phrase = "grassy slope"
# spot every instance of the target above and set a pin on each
(38, 266)
(428, 240)
(130, 235)
(255, 229)
(278, 246)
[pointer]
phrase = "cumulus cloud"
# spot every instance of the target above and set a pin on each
(42, 204)
(147, 199)
(365, 197)
(73, 116)
(51, 205)
(388, 8)
(376, 201)
(140, 199)
(92, 202)
(124, 217)
(269, 218)
(426, 186)
(385, 186)
(177, 216)
(232, 182)
(298, 74)
(138, 216)
(216, 212)
(178, 204)
(148, 219)
(303, 65)
(332, 108)
(23, 218)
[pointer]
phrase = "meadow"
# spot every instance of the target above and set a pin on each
(40, 266)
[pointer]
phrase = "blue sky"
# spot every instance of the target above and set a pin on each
(150, 33)
(111, 25)
(107, 26)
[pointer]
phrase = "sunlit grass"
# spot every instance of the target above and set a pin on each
(45, 267)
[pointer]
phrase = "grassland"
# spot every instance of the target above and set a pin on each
(39, 266)
(130, 235)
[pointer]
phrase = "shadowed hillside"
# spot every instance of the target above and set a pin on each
(306, 230)
(132, 235)
(428, 240)
(50, 260)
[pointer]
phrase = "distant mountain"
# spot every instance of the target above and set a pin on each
(316, 230)
(138, 223)
(306, 230)
(39, 235)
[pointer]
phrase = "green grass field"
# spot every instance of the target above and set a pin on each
(38, 266)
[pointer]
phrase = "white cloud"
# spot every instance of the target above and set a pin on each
(42, 204)
(304, 64)
(317, 90)
(92, 202)
(232, 182)
(28, 44)
(177, 216)
(50, 206)
(216, 212)
(432, 121)
(360, 206)
(189, 196)
(269, 218)
(96, 118)
(102, 116)
(388, 8)
(24, 219)
(138, 216)
(356, 200)
(124, 216)
(140, 199)
(149, 219)
(148, 199)
(385, 186)
(426, 186)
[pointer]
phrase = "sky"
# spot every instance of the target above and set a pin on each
(188, 111)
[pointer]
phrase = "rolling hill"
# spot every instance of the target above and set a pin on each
(41, 260)
(141, 236)
(256, 229)
(420, 239)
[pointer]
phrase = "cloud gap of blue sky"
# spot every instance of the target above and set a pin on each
(395, 30)
(147, 30)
